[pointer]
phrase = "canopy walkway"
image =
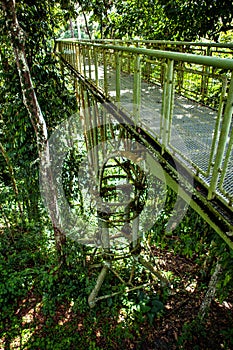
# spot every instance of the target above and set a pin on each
(154, 115)
(177, 99)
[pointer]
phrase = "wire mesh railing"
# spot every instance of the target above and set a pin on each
(184, 100)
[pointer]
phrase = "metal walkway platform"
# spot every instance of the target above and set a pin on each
(148, 90)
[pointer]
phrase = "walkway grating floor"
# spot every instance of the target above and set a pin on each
(192, 128)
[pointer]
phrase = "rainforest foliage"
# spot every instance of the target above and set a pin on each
(161, 19)
(43, 296)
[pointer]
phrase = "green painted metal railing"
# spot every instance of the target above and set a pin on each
(224, 50)
(201, 83)
(205, 80)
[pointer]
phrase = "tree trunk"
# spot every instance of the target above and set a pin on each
(33, 108)
(210, 294)
(85, 19)
(71, 28)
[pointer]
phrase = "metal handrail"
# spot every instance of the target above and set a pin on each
(163, 42)
(218, 62)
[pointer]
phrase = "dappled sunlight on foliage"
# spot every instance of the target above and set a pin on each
(155, 285)
(49, 304)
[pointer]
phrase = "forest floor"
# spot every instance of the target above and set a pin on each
(105, 327)
(182, 308)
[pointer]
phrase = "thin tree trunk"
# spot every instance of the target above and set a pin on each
(85, 19)
(33, 108)
(99, 282)
(71, 28)
(210, 294)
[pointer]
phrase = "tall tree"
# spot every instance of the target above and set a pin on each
(30, 100)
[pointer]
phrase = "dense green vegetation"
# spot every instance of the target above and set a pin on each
(43, 297)
(161, 19)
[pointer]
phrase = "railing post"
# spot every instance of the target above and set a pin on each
(89, 60)
(60, 49)
(73, 55)
(167, 103)
(95, 53)
(76, 56)
(217, 124)
(84, 61)
(79, 62)
(105, 73)
(83, 69)
(137, 89)
(204, 82)
(225, 166)
(223, 139)
(118, 77)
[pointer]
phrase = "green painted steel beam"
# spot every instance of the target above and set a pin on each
(168, 97)
(118, 77)
(105, 73)
(95, 53)
(137, 89)
(217, 125)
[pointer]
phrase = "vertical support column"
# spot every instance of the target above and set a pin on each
(105, 73)
(223, 139)
(76, 89)
(164, 86)
(76, 56)
(168, 96)
(105, 236)
(84, 61)
(118, 76)
(226, 163)
(205, 77)
(217, 125)
(94, 132)
(73, 55)
(204, 82)
(180, 76)
(95, 52)
(79, 55)
(89, 60)
(104, 111)
(137, 89)
(135, 231)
